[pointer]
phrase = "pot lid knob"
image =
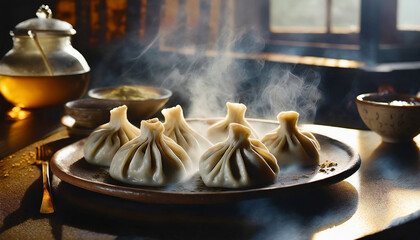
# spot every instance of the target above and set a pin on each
(44, 12)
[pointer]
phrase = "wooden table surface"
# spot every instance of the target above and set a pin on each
(386, 187)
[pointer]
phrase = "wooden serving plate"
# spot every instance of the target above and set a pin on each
(69, 165)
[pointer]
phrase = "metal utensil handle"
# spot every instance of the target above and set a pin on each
(47, 203)
(33, 35)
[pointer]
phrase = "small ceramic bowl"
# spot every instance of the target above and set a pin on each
(142, 101)
(88, 113)
(395, 117)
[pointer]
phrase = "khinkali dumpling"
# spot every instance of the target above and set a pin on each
(151, 159)
(238, 161)
(104, 141)
(291, 146)
(178, 129)
(235, 114)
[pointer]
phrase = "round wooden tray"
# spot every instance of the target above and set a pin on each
(69, 165)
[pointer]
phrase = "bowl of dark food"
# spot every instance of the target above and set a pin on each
(395, 117)
(87, 113)
(142, 101)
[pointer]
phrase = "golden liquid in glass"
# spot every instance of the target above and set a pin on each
(43, 91)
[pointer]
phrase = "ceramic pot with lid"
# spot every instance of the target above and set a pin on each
(43, 69)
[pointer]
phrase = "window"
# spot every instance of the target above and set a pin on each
(372, 32)
(314, 16)
(367, 32)
(408, 18)
(345, 16)
(301, 16)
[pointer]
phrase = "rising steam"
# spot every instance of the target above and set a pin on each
(203, 83)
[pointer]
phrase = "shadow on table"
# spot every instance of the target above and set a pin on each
(399, 163)
(29, 209)
(300, 213)
(406, 227)
(31, 201)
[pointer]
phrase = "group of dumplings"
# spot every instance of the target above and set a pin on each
(160, 154)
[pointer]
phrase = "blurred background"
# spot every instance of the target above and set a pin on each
(313, 56)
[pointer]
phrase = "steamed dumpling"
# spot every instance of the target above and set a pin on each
(103, 143)
(178, 129)
(238, 161)
(235, 114)
(151, 159)
(291, 146)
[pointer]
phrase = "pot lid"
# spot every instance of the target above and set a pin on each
(44, 24)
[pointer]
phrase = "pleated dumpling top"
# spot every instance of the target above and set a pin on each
(289, 144)
(235, 114)
(104, 141)
(238, 162)
(178, 130)
(151, 159)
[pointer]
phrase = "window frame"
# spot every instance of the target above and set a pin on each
(378, 42)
